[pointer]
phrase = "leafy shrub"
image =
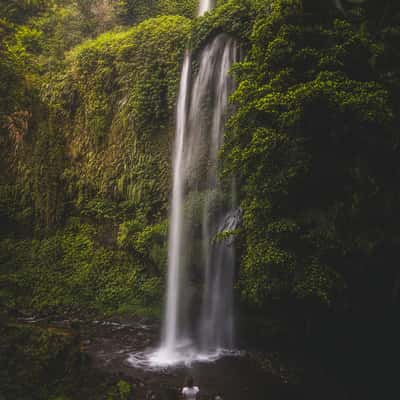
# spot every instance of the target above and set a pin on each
(69, 271)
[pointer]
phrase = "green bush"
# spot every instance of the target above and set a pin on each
(70, 271)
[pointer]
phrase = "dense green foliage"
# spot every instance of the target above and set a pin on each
(68, 271)
(314, 141)
(119, 90)
(130, 11)
(85, 133)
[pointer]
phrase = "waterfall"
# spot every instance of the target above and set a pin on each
(216, 327)
(204, 6)
(175, 231)
(201, 206)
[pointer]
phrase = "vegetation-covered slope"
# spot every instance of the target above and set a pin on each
(86, 162)
(315, 142)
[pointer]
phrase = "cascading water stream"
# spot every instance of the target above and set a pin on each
(175, 236)
(216, 327)
(196, 186)
(197, 324)
(204, 6)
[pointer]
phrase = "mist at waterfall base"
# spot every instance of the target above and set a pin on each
(200, 326)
